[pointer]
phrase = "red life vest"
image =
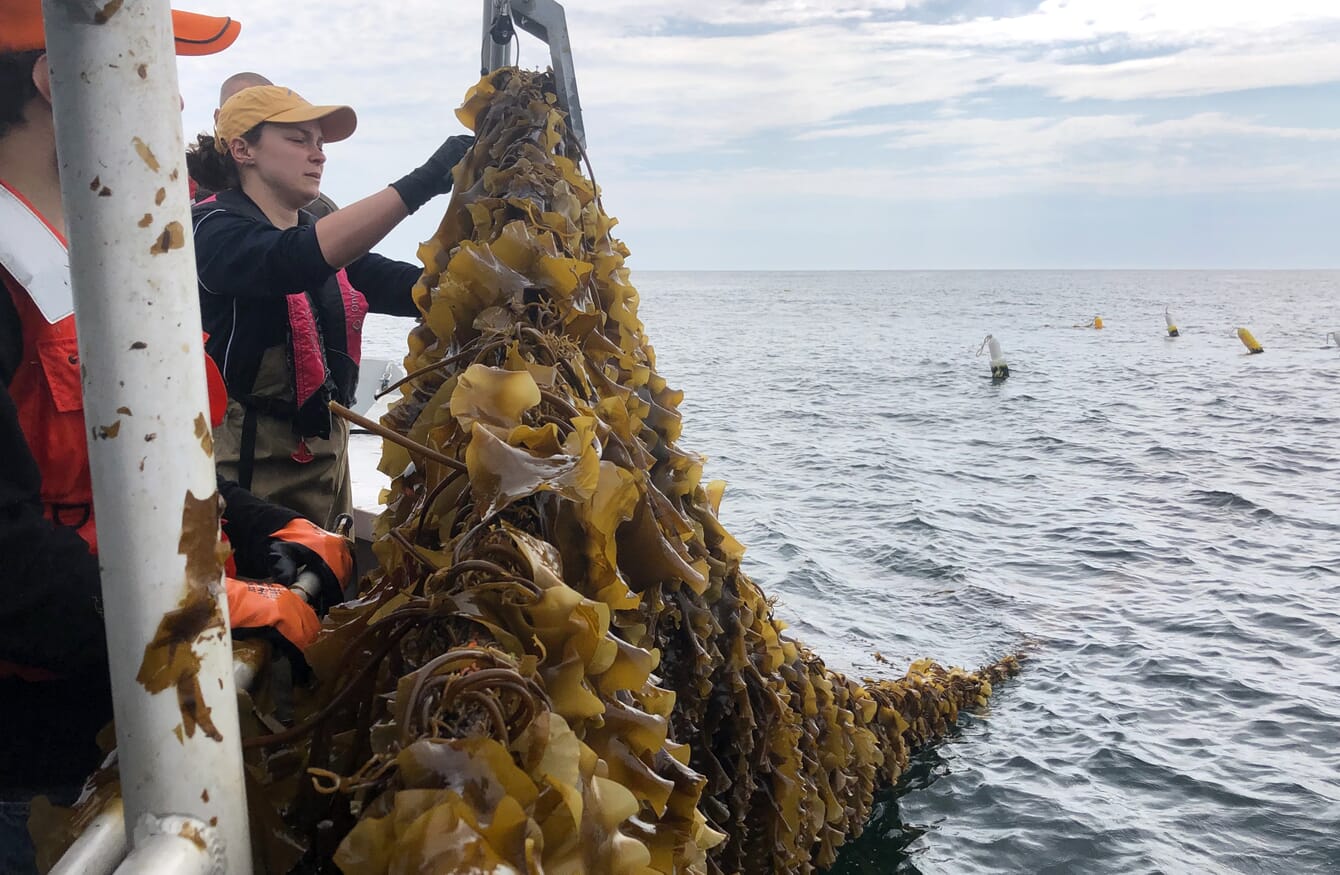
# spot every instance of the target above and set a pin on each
(325, 335)
(46, 390)
(48, 395)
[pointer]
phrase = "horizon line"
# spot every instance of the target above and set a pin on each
(984, 269)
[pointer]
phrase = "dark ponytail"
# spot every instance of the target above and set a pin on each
(212, 169)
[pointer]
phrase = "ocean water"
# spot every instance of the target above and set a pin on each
(1156, 521)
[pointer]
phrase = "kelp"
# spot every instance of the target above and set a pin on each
(559, 665)
(576, 675)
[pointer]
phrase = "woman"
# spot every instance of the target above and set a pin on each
(283, 294)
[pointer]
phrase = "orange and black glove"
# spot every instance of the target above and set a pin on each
(303, 546)
(261, 607)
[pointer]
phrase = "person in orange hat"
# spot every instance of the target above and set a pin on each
(54, 689)
(21, 30)
(283, 294)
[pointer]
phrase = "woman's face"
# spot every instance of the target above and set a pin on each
(288, 160)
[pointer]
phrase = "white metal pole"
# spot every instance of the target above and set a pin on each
(132, 261)
(100, 848)
(170, 854)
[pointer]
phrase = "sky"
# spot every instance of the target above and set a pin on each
(869, 134)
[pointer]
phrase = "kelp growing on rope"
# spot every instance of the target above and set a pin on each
(566, 668)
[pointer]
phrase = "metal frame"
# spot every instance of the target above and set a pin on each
(132, 264)
(545, 20)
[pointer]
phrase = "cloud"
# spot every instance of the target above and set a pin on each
(1041, 134)
(1191, 72)
(731, 102)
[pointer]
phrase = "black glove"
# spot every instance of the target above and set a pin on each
(419, 186)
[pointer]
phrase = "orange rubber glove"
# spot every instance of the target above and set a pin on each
(255, 604)
(301, 545)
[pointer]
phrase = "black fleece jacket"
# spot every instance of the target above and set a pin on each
(51, 605)
(248, 269)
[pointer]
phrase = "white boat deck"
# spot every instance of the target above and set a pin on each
(365, 450)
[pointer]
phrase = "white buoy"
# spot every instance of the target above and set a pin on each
(999, 369)
(1172, 326)
(1332, 335)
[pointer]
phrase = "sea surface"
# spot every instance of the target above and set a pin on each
(1156, 521)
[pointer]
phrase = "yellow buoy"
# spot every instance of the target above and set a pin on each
(1098, 322)
(1253, 345)
(1172, 326)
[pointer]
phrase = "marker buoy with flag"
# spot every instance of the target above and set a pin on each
(1000, 371)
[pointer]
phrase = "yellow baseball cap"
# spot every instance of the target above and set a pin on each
(21, 29)
(273, 103)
